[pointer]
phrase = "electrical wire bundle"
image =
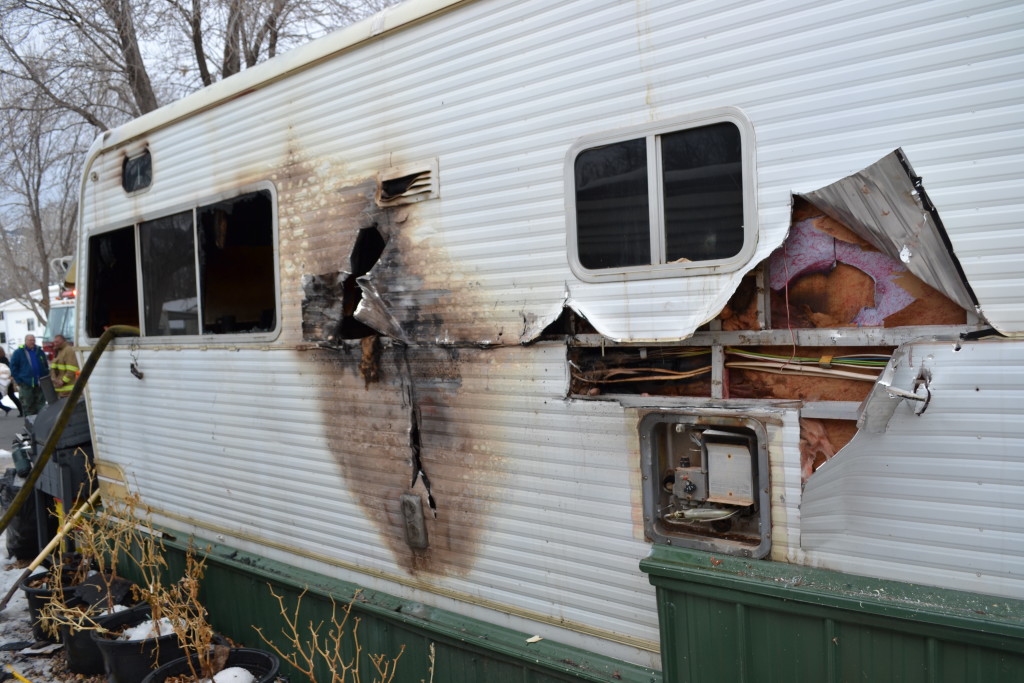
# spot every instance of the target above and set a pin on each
(864, 367)
(613, 375)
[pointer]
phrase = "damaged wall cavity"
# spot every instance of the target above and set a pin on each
(825, 275)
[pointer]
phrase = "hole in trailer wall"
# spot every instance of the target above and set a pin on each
(826, 276)
(330, 300)
(823, 276)
(366, 251)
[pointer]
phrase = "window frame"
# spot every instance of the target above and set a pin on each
(193, 207)
(651, 132)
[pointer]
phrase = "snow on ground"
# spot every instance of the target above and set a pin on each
(16, 628)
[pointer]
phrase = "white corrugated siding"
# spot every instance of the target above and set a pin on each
(786, 487)
(499, 91)
(937, 499)
(548, 524)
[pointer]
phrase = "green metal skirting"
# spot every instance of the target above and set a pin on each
(236, 593)
(744, 621)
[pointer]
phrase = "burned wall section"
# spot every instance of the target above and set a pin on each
(387, 442)
(409, 463)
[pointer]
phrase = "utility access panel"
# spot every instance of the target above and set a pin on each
(706, 483)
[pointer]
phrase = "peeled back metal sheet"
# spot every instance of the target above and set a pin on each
(885, 204)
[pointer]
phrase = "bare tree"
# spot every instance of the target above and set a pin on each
(39, 158)
(70, 69)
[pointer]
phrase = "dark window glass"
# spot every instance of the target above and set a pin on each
(113, 294)
(137, 172)
(236, 262)
(612, 214)
(703, 193)
(167, 249)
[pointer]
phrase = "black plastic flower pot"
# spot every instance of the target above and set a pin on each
(81, 653)
(37, 596)
(262, 665)
(130, 661)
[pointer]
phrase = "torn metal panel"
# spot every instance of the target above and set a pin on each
(889, 391)
(936, 497)
(886, 205)
(374, 311)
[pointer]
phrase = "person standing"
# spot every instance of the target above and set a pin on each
(28, 365)
(7, 383)
(64, 368)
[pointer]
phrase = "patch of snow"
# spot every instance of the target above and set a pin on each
(234, 674)
(148, 629)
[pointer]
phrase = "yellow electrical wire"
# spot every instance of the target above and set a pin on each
(661, 374)
(807, 370)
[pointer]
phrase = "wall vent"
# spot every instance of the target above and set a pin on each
(408, 184)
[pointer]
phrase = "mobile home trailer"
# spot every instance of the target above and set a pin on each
(683, 335)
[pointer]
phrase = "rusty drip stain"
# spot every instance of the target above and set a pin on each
(369, 365)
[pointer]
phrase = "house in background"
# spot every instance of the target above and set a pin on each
(16, 320)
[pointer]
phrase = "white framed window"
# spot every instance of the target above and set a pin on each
(665, 199)
(206, 270)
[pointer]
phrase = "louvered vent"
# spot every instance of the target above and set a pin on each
(408, 184)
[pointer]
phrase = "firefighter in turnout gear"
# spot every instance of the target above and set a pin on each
(64, 368)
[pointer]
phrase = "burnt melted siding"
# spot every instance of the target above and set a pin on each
(382, 435)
